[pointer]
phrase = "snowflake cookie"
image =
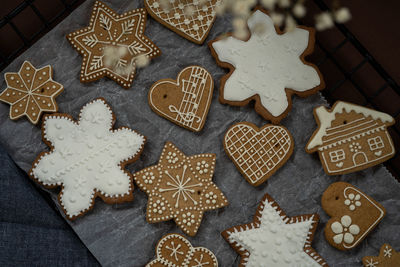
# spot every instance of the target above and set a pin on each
(112, 43)
(180, 187)
(31, 92)
(274, 239)
(388, 257)
(269, 67)
(174, 250)
(354, 214)
(87, 158)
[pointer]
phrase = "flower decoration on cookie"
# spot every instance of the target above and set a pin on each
(174, 250)
(269, 67)
(31, 92)
(87, 158)
(112, 44)
(274, 239)
(388, 257)
(182, 189)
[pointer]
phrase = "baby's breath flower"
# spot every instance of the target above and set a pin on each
(290, 23)
(284, 3)
(299, 10)
(269, 4)
(342, 15)
(277, 18)
(323, 21)
(142, 61)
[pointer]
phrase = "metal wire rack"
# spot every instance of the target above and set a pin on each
(366, 98)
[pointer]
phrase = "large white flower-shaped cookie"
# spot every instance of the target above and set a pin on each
(267, 68)
(87, 158)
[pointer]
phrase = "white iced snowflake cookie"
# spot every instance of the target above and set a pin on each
(269, 67)
(87, 158)
(274, 239)
(388, 257)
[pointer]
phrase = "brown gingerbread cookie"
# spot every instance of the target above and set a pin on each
(112, 44)
(269, 67)
(258, 152)
(350, 137)
(388, 257)
(353, 215)
(186, 100)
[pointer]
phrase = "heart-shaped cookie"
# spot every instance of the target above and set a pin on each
(186, 100)
(258, 152)
(353, 215)
(191, 19)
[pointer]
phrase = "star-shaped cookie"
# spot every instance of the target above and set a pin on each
(180, 187)
(269, 67)
(388, 257)
(112, 43)
(87, 158)
(31, 92)
(273, 239)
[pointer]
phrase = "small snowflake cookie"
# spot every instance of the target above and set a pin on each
(180, 188)
(258, 152)
(175, 250)
(274, 239)
(191, 19)
(112, 44)
(87, 158)
(388, 257)
(353, 215)
(350, 138)
(31, 92)
(186, 100)
(269, 67)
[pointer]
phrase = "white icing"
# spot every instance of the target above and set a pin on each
(352, 201)
(344, 230)
(326, 117)
(371, 263)
(266, 64)
(276, 242)
(87, 156)
(387, 252)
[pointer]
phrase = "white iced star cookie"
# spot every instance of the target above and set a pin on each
(273, 239)
(269, 67)
(87, 158)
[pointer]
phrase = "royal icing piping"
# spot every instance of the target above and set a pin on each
(266, 64)
(87, 157)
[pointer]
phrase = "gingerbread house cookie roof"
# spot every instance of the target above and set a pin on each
(325, 118)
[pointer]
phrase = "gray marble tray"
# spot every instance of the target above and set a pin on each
(118, 235)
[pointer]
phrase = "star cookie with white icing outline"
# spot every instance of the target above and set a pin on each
(274, 239)
(87, 158)
(180, 187)
(175, 250)
(268, 67)
(108, 29)
(388, 257)
(31, 92)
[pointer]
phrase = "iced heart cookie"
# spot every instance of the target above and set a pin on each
(180, 187)
(353, 215)
(258, 152)
(269, 67)
(176, 250)
(274, 239)
(112, 43)
(87, 158)
(388, 257)
(191, 19)
(350, 138)
(186, 100)
(31, 92)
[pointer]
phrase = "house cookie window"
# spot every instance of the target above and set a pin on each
(337, 155)
(375, 143)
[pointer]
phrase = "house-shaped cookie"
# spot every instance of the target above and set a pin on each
(350, 138)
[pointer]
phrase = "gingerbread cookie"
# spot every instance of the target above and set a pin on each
(350, 138)
(31, 92)
(175, 250)
(388, 257)
(186, 100)
(180, 187)
(274, 239)
(191, 19)
(269, 67)
(258, 152)
(87, 158)
(112, 43)
(354, 214)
